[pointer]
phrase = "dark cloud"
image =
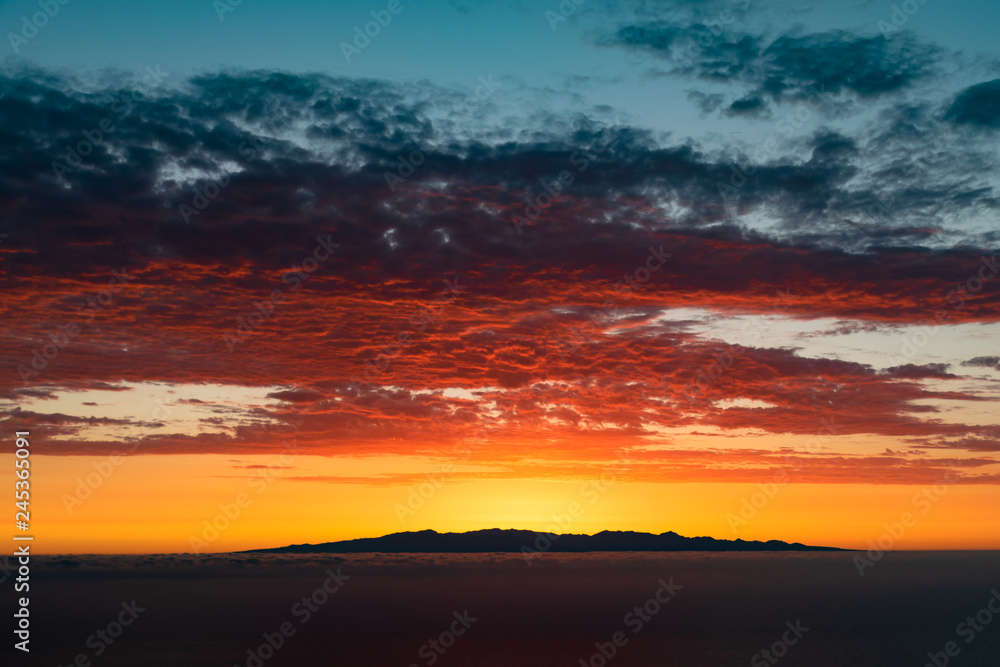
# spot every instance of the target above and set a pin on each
(977, 105)
(297, 395)
(788, 67)
(839, 61)
(984, 362)
(280, 192)
(747, 106)
(925, 372)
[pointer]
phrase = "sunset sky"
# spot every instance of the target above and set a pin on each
(498, 259)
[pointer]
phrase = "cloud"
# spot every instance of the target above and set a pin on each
(984, 362)
(977, 105)
(706, 103)
(557, 330)
(747, 106)
(925, 372)
(786, 68)
(839, 61)
(297, 395)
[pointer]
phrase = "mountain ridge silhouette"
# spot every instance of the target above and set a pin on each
(497, 540)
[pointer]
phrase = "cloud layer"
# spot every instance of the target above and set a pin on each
(397, 285)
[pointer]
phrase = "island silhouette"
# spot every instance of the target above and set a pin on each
(518, 541)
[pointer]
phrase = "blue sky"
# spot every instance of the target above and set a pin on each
(454, 43)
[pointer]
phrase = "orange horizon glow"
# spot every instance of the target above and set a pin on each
(156, 504)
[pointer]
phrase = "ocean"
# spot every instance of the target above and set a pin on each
(496, 610)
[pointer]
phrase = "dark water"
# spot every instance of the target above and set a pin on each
(211, 610)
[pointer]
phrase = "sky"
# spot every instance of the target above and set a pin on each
(724, 268)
